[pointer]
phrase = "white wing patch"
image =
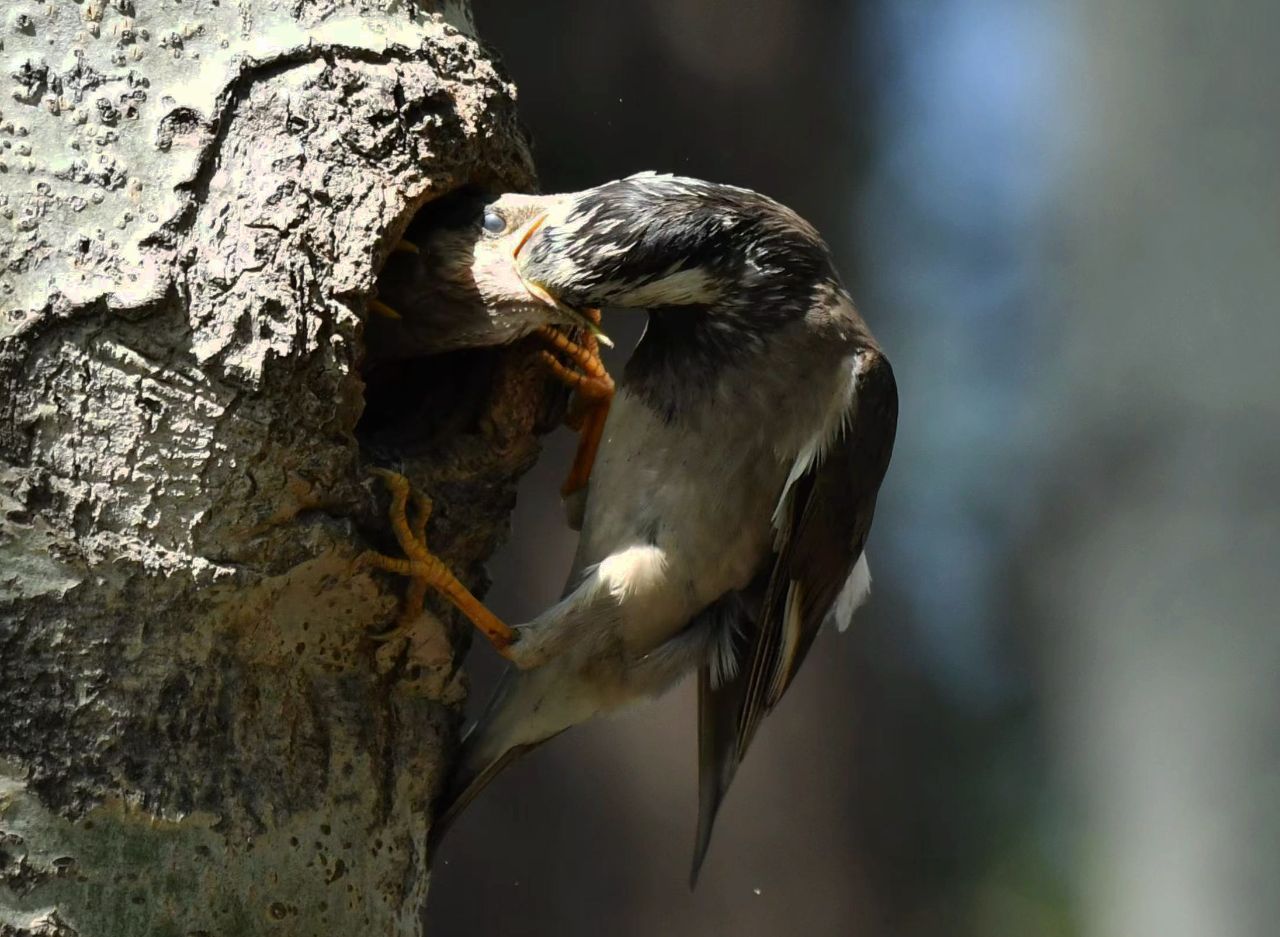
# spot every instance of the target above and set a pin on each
(854, 592)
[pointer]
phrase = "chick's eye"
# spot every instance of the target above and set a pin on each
(493, 222)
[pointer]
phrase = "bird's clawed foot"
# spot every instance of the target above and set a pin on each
(593, 394)
(424, 570)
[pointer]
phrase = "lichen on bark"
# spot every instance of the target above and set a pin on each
(199, 732)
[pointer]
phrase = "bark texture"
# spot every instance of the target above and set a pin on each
(199, 733)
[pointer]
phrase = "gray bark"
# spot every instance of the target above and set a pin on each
(199, 733)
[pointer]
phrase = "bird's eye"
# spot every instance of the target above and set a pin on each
(493, 222)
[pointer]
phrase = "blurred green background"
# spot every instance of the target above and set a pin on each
(1058, 714)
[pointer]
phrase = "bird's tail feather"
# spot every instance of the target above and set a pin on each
(508, 729)
(473, 771)
(718, 761)
(463, 790)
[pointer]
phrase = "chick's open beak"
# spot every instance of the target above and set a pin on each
(540, 292)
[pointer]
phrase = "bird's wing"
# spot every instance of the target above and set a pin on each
(822, 530)
(823, 525)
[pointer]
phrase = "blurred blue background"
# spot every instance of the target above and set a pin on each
(1058, 714)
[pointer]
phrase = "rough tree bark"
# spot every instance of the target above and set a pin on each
(199, 733)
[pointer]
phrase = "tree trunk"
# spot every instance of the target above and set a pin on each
(200, 732)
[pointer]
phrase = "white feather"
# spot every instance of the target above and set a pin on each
(854, 592)
(560, 217)
(675, 288)
(724, 654)
(631, 570)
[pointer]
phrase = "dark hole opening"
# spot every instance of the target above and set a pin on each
(431, 354)
(416, 393)
(411, 403)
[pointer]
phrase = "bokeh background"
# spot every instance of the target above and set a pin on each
(1058, 714)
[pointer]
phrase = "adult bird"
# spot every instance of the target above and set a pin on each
(727, 514)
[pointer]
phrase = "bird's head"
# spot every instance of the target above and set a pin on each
(506, 226)
(659, 241)
(491, 270)
(482, 249)
(455, 281)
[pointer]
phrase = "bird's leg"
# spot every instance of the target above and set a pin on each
(426, 571)
(594, 393)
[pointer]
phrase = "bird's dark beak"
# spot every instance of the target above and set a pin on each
(539, 292)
